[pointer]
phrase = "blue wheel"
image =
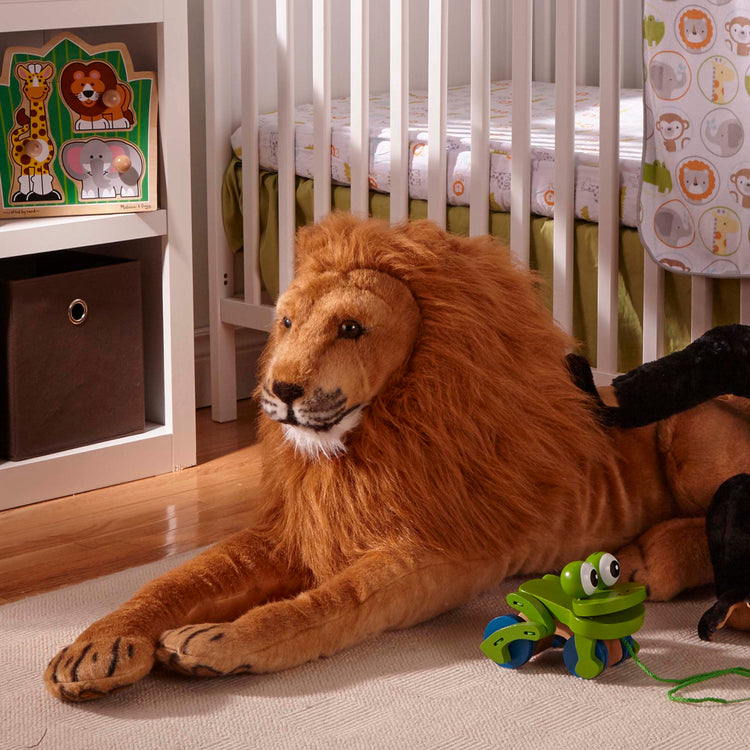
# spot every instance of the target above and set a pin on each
(570, 655)
(521, 650)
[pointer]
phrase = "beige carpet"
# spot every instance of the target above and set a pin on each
(428, 687)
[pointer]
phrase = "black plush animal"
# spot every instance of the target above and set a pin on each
(715, 364)
(728, 532)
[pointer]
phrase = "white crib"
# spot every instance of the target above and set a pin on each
(515, 37)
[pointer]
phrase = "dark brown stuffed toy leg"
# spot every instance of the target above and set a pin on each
(716, 364)
(381, 591)
(728, 533)
(669, 558)
(220, 583)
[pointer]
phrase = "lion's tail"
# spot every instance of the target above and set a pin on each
(127, 98)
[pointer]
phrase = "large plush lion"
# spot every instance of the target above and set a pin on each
(423, 438)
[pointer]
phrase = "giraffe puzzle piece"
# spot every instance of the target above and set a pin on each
(32, 148)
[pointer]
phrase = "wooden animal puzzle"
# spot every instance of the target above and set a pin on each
(79, 129)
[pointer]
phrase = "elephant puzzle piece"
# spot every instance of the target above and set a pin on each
(104, 169)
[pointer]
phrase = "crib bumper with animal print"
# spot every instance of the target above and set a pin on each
(695, 186)
(80, 130)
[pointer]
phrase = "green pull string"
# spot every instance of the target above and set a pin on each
(692, 680)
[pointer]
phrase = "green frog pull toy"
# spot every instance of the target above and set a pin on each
(591, 616)
(584, 610)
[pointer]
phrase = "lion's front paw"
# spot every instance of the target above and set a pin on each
(89, 669)
(632, 564)
(208, 650)
(658, 575)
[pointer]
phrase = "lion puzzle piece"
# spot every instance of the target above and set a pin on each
(583, 610)
(96, 97)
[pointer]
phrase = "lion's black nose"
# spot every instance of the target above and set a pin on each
(87, 92)
(287, 392)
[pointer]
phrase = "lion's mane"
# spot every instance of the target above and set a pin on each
(469, 447)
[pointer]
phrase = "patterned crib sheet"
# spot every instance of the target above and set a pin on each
(459, 147)
(695, 198)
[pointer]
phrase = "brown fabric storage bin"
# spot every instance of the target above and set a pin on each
(71, 352)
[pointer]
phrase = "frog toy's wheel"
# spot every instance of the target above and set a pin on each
(570, 657)
(625, 651)
(521, 650)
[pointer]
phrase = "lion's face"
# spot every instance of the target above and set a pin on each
(87, 88)
(337, 340)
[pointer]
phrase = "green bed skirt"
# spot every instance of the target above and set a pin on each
(630, 278)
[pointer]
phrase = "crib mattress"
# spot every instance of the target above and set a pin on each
(459, 147)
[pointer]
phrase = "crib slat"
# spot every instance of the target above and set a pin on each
(321, 71)
(219, 122)
(520, 164)
(360, 88)
(399, 200)
(479, 205)
(745, 301)
(565, 76)
(437, 95)
(701, 305)
(286, 152)
(609, 186)
(251, 221)
(653, 309)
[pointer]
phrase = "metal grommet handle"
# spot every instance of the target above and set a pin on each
(78, 311)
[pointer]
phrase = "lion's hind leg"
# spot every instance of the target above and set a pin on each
(381, 591)
(119, 649)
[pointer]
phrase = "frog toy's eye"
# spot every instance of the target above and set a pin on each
(607, 566)
(579, 579)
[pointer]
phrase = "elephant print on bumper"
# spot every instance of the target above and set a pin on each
(695, 218)
(104, 169)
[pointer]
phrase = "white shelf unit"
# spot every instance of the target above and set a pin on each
(161, 240)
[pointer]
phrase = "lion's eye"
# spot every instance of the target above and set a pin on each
(350, 329)
(286, 322)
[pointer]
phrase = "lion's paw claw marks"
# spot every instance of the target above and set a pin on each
(91, 669)
(199, 651)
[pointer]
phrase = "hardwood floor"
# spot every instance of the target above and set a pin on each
(71, 539)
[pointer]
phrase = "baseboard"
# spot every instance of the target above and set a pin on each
(249, 346)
